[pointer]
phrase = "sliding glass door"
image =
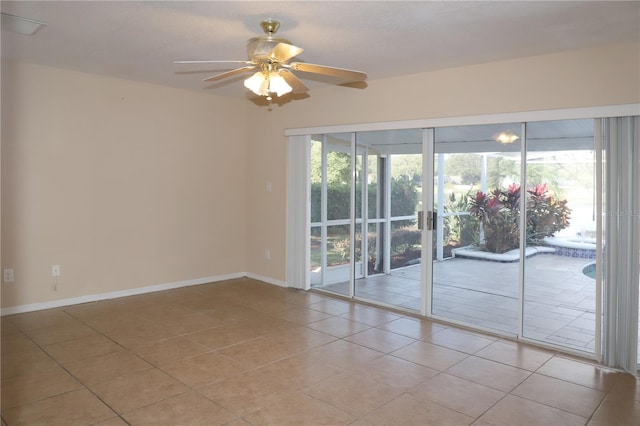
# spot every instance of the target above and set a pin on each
(561, 211)
(531, 227)
(533, 275)
(511, 229)
(330, 228)
(476, 240)
(366, 192)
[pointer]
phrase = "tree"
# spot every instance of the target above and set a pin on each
(465, 166)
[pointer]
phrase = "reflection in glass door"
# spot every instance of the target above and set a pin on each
(476, 239)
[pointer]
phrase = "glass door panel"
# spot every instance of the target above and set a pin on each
(559, 281)
(476, 238)
(389, 166)
(330, 229)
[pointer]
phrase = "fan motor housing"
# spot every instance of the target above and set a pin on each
(258, 48)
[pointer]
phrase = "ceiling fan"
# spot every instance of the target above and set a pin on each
(270, 57)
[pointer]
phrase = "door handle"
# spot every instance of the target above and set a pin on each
(432, 218)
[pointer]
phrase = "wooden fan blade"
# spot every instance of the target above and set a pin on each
(293, 81)
(229, 73)
(332, 71)
(284, 51)
(212, 62)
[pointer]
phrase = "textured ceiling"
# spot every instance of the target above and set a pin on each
(139, 40)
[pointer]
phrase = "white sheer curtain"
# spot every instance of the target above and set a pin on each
(621, 138)
(298, 214)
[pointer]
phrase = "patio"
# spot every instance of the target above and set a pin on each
(559, 302)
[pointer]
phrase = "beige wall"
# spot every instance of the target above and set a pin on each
(127, 185)
(123, 184)
(607, 75)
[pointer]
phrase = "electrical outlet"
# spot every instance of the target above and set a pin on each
(55, 271)
(8, 275)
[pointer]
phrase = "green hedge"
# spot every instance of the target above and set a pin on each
(404, 195)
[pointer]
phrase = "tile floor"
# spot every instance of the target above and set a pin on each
(559, 304)
(242, 352)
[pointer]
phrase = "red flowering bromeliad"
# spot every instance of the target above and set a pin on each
(499, 215)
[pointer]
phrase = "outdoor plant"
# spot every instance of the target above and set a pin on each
(459, 230)
(499, 216)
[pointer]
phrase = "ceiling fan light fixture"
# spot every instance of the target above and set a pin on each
(262, 83)
(507, 137)
(278, 84)
(258, 84)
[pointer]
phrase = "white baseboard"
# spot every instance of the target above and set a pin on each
(267, 280)
(132, 292)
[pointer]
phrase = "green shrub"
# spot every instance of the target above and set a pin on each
(499, 214)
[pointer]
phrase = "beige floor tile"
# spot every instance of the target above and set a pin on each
(333, 306)
(136, 390)
(238, 422)
(203, 369)
(290, 342)
(460, 340)
(113, 421)
(343, 354)
(413, 327)
(618, 409)
(16, 342)
(394, 371)
(515, 354)
(225, 335)
(229, 312)
(380, 340)
(302, 316)
(28, 360)
(258, 352)
(557, 393)
(190, 323)
(339, 327)
(37, 385)
(57, 334)
(79, 407)
(408, 410)
(303, 298)
(579, 372)
(84, 347)
(489, 373)
(370, 316)
(188, 409)
(132, 335)
(265, 323)
(246, 393)
(356, 395)
(513, 410)
(268, 305)
(169, 350)
(106, 367)
(7, 327)
(298, 371)
(627, 385)
(42, 319)
(458, 394)
(299, 409)
(160, 312)
(275, 346)
(430, 355)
